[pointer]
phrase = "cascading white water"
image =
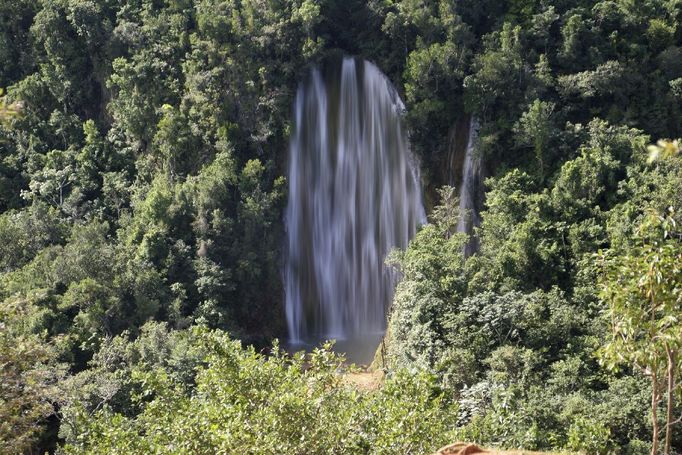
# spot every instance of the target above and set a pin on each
(354, 194)
(469, 188)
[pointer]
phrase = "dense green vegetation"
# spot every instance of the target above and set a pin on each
(142, 151)
(244, 402)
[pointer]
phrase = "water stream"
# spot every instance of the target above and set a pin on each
(469, 189)
(354, 194)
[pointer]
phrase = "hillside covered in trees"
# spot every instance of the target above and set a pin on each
(143, 156)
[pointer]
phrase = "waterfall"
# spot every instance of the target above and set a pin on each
(354, 194)
(469, 188)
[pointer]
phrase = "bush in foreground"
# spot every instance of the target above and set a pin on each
(246, 402)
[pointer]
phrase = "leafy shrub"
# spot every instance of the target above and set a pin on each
(245, 402)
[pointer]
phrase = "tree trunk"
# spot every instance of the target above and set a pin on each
(669, 410)
(654, 413)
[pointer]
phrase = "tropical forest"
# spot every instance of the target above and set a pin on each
(341, 227)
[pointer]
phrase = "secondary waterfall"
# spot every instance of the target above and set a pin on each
(354, 194)
(470, 188)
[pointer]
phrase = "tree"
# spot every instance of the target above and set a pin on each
(29, 374)
(643, 288)
(535, 129)
(8, 111)
(663, 149)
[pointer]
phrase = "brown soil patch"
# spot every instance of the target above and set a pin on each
(364, 380)
(462, 448)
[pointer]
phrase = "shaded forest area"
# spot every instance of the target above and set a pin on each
(143, 145)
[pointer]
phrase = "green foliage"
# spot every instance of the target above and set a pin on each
(245, 402)
(141, 159)
(29, 378)
(432, 278)
(440, 48)
(535, 129)
(24, 233)
(517, 335)
(642, 287)
(497, 72)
